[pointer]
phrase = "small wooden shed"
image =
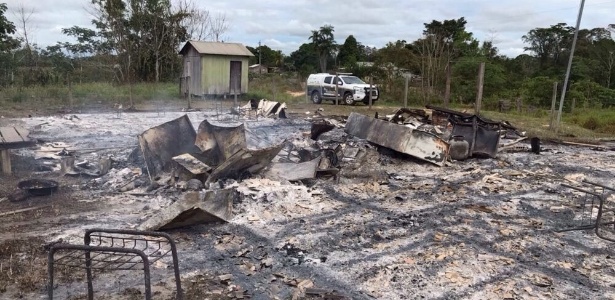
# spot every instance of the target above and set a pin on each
(214, 68)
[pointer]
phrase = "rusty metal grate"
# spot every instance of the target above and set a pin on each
(596, 210)
(111, 250)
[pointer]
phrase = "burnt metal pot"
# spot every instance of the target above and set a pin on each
(38, 187)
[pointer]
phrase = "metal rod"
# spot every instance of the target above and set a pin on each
(581, 190)
(50, 272)
(574, 45)
(599, 185)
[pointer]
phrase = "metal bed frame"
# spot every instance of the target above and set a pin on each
(594, 199)
(109, 249)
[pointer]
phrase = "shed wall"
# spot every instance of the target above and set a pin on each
(192, 73)
(216, 74)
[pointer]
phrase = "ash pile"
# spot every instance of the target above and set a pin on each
(200, 169)
(206, 164)
(315, 202)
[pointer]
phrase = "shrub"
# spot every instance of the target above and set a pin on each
(591, 123)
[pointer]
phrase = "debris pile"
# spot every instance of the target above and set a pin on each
(264, 108)
(429, 134)
(369, 206)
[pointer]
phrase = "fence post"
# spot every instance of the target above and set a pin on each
(336, 92)
(189, 94)
(406, 92)
(370, 92)
(479, 94)
(553, 102)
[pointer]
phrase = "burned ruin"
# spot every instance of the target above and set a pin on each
(266, 202)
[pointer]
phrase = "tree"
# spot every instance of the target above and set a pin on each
(397, 55)
(7, 45)
(143, 36)
(269, 57)
(324, 43)
(305, 59)
(392, 61)
(6, 27)
(24, 27)
(198, 22)
(550, 44)
(537, 91)
(219, 26)
(488, 50)
(441, 44)
(349, 52)
(62, 63)
(465, 79)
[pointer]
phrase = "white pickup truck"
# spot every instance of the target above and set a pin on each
(350, 89)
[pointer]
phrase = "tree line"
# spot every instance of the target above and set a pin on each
(138, 40)
(443, 64)
(132, 41)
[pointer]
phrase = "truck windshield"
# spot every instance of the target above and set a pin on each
(352, 80)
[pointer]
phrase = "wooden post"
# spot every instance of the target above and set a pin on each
(5, 156)
(188, 89)
(336, 92)
(519, 104)
(274, 87)
(447, 91)
(553, 102)
(70, 91)
(574, 103)
(406, 92)
(370, 92)
(479, 94)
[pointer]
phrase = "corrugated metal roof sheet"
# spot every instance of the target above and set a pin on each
(217, 48)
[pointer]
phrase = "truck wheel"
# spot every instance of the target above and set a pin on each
(316, 98)
(348, 99)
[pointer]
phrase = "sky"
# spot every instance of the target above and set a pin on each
(285, 25)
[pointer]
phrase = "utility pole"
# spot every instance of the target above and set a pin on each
(574, 45)
(479, 94)
(260, 67)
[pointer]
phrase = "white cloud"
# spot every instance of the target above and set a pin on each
(284, 25)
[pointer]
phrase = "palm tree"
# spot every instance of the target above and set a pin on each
(324, 42)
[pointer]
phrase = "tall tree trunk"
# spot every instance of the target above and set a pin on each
(611, 63)
(323, 63)
(157, 66)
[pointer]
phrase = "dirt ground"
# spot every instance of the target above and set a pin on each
(390, 227)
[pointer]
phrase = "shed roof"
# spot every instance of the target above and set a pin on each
(217, 48)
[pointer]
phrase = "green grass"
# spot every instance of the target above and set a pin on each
(582, 125)
(276, 87)
(537, 124)
(87, 93)
(599, 120)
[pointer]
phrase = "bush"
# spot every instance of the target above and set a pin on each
(591, 123)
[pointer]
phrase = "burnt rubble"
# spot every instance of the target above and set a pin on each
(177, 158)
(213, 154)
(358, 207)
